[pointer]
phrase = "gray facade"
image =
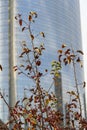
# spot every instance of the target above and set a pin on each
(60, 21)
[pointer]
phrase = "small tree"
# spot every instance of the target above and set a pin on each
(38, 111)
(69, 56)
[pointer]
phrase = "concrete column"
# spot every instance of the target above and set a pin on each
(58, 92)
(12, 77)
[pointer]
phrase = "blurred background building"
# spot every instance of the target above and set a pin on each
(60, 21)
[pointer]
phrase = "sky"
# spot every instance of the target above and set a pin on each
(83, 12)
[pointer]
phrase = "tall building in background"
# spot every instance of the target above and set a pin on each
(60, 21)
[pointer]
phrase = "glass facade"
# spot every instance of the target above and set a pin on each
(4, 55)
(60, 21)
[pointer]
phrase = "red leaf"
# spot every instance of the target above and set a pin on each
(84, 84)
(32, 90)
(74, 100)
(17, 103)
(16, 17)
(20, 22)
(24, 99)
(0, 67)
(78, 60)
(60, 51)
(23, 29)
(60, 58)
(32, 37)
(30, 18)
(38, 63)
(15, 68)
(46, 70)
(19, 73)
(33, 14)
(67, 51)
(28, 67)
(42, 34)
(19, 15)
(63, 45)
(79, 51)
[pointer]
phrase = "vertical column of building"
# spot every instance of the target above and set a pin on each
(58, 92)
(4, 57)
(12, 85)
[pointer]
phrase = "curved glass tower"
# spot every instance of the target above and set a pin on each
(60, 21)
(4, 55)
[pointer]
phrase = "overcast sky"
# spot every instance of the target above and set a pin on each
(83, 11)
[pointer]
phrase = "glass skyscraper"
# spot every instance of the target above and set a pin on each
(60, 21)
